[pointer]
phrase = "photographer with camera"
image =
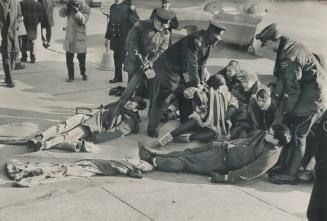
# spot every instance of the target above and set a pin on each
(77, 13)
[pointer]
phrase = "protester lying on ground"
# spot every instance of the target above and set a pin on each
(213, 106)
(259, 115)
(231, 162)
(231, 72)
(30, 174)
(96, 125)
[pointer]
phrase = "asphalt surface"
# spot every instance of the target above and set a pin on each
(43, 98)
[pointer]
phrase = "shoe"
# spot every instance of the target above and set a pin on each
(145, 154)
(32, 60)
(34, 144)
(69, 80)
(10, 84)
(305, 176)
(84, 76)
(283, 179)
(19, 66)
(119, 92)
(115, 80)
(23, 59)
(45, 45)
(183, 138)
(113, 90)
(165, 139)
(153, 132)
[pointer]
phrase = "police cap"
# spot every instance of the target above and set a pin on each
(164, 15)
(216, 28)
(268, 33)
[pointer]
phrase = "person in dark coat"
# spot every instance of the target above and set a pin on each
(122, 17)
(301, 91)
(10, 13)
(32, 13)
(227, 162)
(188, 55)
(77, 13)
(317, 209)
(173, 23)
(47, 21)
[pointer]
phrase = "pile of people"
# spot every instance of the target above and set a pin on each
(249, 128)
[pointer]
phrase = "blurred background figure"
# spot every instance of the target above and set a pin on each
(46, 21)
(32, 12)
(77, 13)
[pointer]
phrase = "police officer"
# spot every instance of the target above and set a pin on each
(301, 91)
(10, 12)
(145, 42)
(188, 55)
(317, 209)
(123, 15)
(173, 23)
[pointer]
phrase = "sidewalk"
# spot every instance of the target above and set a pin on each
(42, 96)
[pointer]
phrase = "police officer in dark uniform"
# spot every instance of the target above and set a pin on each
(300, 90)
(317, 209)
(123, 15)
(188, 55)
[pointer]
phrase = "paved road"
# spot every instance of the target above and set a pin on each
(42, 97)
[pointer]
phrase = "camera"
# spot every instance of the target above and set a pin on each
(72, 6)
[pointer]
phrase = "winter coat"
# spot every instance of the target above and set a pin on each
(9, 26)
(32, 13)
(188, 55)
(47, 13)
(75, 39)
(143, 39)
(301, 81)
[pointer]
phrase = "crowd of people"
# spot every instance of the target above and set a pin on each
(249, 128)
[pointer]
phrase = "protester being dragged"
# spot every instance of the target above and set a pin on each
(231, 73)
(47, 21)
(122, 17)
(213, 107)
(301, 92)
(77, 13)
(182, 65)
(32, 13)
(96, 125)
(226, 162)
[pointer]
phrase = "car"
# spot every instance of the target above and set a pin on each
(241, 17)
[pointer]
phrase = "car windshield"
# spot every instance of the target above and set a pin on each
(247, 7)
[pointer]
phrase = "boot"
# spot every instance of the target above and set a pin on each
(165, 139)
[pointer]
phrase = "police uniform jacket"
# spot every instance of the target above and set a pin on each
(188, 55)
(75, 39)
(147, 41)
(9, 25)
(32, 13)
(301, 81)
(122, 18)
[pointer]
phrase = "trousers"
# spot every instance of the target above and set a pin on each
(70, 63)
